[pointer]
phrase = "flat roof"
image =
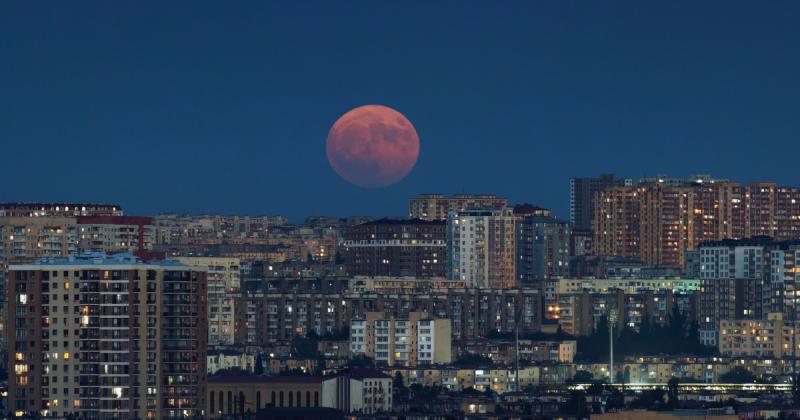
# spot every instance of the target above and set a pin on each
(99, 259)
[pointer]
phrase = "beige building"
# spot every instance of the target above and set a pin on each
(481, 248)
(237, 395)
(223, 282)
(107, 337)
(438, 206)
(418, 340)
(757, 338)
(222, 360)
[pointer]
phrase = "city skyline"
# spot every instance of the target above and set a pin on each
(227, 110)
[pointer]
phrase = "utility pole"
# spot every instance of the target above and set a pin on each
(516, 355)
(613, 315)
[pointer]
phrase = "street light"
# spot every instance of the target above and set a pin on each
(613, 316)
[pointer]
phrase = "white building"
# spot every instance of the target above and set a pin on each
(223, 281)
(481, 247)
(417, 340)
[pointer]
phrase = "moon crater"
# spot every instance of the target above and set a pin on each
(372, 146)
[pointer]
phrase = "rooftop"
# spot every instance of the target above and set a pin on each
(102, 259)
(386, 221)
(241, 379)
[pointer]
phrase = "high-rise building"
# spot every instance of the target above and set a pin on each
(582, 192)
(481, 247)
(107, 337)
(543, 248)
(747, 279)
(223, 281)
(412, 341)
(660, 219)
(438, 206)
(396, 248)
(115, 234)
(26, 238)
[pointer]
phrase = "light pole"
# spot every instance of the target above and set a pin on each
(613, 315)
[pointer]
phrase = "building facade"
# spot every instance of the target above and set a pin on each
(543, 249)
(481, 247)
(396, 248)
(659, 220)
(438, 206)
(107, 337)
(223, 284)
(582, 193)
(411, 341)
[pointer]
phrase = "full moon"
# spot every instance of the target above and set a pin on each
(372, 146)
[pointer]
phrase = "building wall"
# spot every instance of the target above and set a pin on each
(396, 248)
(107, 337)
(438, 206)
(482, 248)
(223, 281)
(241, 395)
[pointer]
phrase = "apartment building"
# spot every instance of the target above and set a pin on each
(439, 206)
(115, 233)
(415, 340)
(481, 247)
(582, 193)
(543, 248)
(746, 279)
(659, 219)
(58, 209)
(223, 284)
(107, 337)
(772, 337)
(396, 248)
(279, 315)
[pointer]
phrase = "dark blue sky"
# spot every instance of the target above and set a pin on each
(222, 107)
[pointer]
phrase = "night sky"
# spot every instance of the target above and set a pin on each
(216, 107)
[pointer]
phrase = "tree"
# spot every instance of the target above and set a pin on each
(796, 390)
(258, 369)
(399, 386)
(738, 375)
(576, 405)
(595, 389)
(672, 392)
(583, 376)
(360, 361)
(472, 360)
(305, 347)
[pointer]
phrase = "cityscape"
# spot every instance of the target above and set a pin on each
(399, 210)
(469, 304)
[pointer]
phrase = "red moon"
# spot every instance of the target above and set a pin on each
(372, 146)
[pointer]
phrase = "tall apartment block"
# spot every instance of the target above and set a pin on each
(481, 247)
(582, 192)
(543, 248)
(659, 220)
(26, 238)
(415, 340)
(396, 248)
(37, 230)
(223, 284)
(105, 337)
(438, 206)
(747, 280)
